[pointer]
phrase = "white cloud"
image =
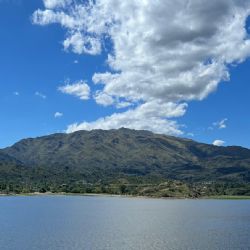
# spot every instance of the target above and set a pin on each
(220, 124)
(103, 99)
(190, 134)
(80, 44)
(76, 61)
(41, 95)
(218, 143)
(163, 51)
(51, 4)
(121, 104)
(58, 114)
(149, 116)
(16, 93)
(79, 89)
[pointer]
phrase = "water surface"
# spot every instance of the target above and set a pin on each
(81, 222)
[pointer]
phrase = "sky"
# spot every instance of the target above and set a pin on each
(172, 67)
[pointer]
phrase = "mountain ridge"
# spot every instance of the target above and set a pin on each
(122, 128)
(105, 156)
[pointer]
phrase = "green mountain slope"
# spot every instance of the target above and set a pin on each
(127, 157)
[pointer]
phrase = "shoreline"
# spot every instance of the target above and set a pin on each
(215, 197)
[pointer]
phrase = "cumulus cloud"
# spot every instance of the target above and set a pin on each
(58, 114)
(41, 95)
(103, 99)
(79, 89)
(52, 4)
(80, 44)
(218, 143)
(163, 51)
(148, 116)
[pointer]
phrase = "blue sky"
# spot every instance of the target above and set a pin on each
(35, 64)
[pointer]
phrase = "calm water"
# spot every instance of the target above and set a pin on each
(78, 222)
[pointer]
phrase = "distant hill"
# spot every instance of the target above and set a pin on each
(131, 159)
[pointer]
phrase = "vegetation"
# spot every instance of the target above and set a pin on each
(124, 162)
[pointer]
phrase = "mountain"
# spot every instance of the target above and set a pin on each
(131, 159)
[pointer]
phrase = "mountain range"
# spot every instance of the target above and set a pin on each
(124, 161)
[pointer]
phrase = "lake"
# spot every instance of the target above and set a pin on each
(83, 222)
